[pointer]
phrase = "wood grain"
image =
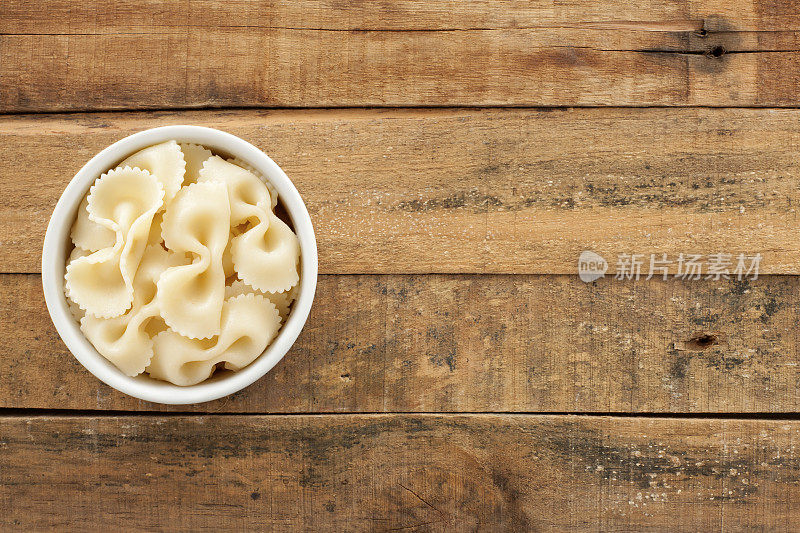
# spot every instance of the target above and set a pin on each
(471, 191)
(105, 16)
(419, 214)
(161, 54)
(444, 343)
(382, 473)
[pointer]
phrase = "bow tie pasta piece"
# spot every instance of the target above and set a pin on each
(88, 234)
(249, 323)
(124, 340)
(266, 253)
(266, 256)
(191, 296)
(282, 300)
(165, 162)
(248, 195)
(273, 194)
(195, 155)
(123, 200)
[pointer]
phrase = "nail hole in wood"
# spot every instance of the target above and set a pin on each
(717, 51)
(703, 341)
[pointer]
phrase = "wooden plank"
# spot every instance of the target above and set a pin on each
(430, 473)
(161, 54)
(506, 191)
(105, 16)
(443, 343)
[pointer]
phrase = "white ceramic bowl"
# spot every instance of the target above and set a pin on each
(57, 245)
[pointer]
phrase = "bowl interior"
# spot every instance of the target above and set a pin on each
(58, 244)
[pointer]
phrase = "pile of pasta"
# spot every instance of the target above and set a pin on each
(180, 265)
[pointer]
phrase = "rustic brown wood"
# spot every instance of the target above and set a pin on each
(396, 195)
(476, 343)
(162, 54)
(96, 16)
(383, 473)
(512, 191)
(105, 16)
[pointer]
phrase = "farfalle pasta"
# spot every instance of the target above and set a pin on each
(124, 340)
(192, 295)
(89, 235)
(165, 162)
(124, 201)
(249, 322)
(180, 265)
(195, 155)
(265, 250)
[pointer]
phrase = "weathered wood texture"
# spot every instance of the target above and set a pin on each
(476, 343)
(162, 54)
(103, 16)
(426, 473)
(511, 191)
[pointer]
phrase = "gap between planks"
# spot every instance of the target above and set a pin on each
(410, 109)
(328, 112)
(6, 412)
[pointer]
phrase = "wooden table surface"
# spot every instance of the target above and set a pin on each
(456, 158)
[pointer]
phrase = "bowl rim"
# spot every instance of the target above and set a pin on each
(56, 242)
